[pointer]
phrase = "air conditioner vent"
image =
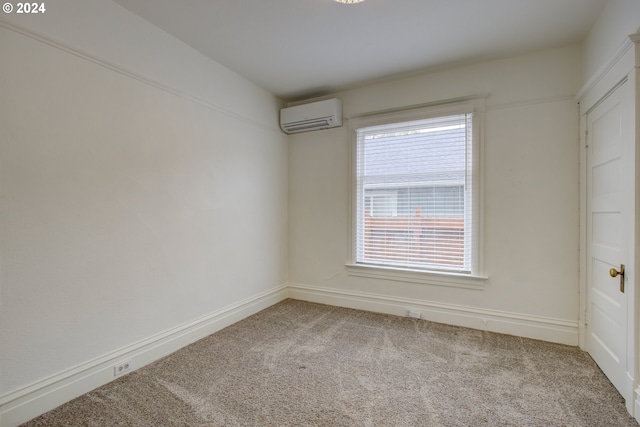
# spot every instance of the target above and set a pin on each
(313, 116)
(308, 125)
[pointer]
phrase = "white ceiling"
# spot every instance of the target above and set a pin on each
(304, 48)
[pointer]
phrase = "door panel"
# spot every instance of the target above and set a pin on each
(606, 178)
(607, 220)
(606, 231)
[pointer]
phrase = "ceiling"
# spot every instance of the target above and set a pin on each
(303, 48)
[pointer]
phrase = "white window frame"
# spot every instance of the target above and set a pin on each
(391, 195)
(473, 279)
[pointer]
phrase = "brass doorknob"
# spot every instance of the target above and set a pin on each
(615, 273)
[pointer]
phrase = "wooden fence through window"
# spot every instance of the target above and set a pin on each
(414, 240)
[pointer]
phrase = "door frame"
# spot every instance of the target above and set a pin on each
(624, 65)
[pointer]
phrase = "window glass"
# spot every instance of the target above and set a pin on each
(414, 191)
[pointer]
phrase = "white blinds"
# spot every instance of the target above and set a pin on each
(414, 194)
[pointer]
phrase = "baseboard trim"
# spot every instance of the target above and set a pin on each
(536, 327)
(636, 409)
(29, 402)
(629, 395)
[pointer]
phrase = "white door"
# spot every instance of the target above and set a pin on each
(610, 185)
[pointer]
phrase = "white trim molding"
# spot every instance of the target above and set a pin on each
(452, 280)
(637, 405)
(606, 68)
(608, 77)
(29, 402)
(212, 105)
(528, 326)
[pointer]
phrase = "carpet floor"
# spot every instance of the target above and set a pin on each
(303, 364)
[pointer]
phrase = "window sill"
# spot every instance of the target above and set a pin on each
(453, 280)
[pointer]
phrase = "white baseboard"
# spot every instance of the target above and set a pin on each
(24, 404)
(536, 327)
(636, 409)
(629, 394)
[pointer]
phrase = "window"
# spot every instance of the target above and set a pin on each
(416, 190)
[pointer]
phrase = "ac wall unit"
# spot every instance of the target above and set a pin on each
(313, 116)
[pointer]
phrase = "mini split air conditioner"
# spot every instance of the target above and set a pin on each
(314, 116)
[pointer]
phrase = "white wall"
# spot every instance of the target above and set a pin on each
(142, 187)
(530, 214)
(618, 19)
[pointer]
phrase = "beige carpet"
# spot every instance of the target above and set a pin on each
(303, 364)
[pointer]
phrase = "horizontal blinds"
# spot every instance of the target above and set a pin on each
(414, 194)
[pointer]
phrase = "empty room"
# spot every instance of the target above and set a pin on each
(320, 213)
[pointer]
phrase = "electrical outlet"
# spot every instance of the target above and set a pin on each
(122, 368)
(414, 314)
